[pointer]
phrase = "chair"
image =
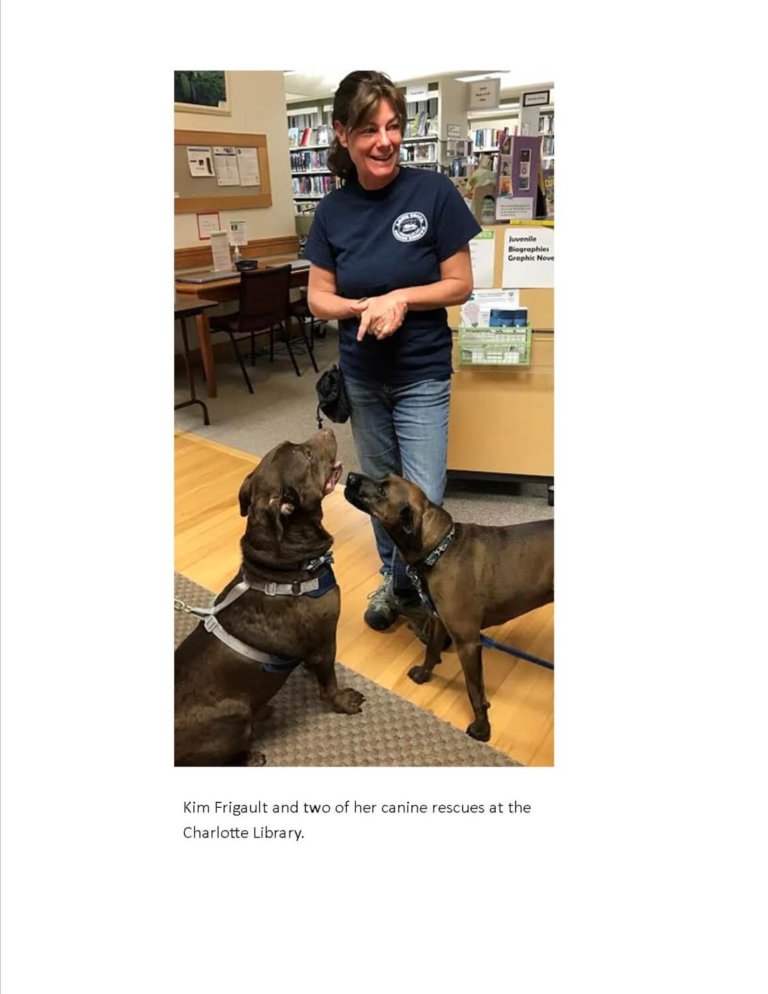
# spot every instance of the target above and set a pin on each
(263, 305)
(300, 310)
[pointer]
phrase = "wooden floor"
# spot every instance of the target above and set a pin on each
(208, 528)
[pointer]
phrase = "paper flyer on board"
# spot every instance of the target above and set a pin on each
(225, 163)
(200, 160)
(248, 166)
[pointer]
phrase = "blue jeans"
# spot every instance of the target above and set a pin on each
(401, 430)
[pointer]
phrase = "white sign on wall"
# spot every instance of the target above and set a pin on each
(529, 257)
(484, 95)
(481, 252)
(417, 92)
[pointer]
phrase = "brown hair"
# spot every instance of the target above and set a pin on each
(357, 97)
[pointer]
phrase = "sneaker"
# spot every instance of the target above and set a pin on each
(382, 612)
(415, 612)
(419, 619)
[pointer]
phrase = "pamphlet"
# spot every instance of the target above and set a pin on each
(237, 235)
(248, 166)
(476, 312)
(200, 160)
(220, 251)
(225, 163)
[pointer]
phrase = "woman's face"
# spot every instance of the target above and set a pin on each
(375, 147)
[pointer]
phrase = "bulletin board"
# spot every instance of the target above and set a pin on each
(203, 193)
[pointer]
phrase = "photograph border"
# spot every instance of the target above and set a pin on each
(224, 108)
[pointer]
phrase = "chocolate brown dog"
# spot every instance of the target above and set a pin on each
(281, 609)
(475, 575)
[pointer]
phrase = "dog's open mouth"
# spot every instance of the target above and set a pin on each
(333, 479)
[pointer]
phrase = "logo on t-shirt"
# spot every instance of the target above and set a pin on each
(410, 227)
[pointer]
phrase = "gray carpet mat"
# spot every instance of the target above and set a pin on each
(389, 732)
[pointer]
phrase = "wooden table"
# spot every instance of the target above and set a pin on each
(183, 309)
(221, 292)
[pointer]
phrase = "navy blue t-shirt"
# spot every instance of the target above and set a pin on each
(376, 241)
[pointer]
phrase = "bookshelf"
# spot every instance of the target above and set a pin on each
(438, 117)
(547, 132)
(437, 113)
(310, 131)
(486, 127)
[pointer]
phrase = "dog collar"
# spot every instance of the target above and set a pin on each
(413, 574)
(310, 566)
(315, 587)
(434, 555)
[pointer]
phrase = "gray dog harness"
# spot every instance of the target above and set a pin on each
(316, 587)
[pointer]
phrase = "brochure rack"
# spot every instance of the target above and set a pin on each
(494, 346)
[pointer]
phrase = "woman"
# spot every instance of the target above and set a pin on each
(389, 252)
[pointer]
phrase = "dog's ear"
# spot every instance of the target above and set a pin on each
(410, 522)
(406, 519)
(285, 503)
(245, 494)
(282, 506)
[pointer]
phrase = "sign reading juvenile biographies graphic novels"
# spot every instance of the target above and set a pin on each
(529, 257)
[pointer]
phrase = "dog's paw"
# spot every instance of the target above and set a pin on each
(348, 701)
(419, 674)
(256, 759)
(480, 730)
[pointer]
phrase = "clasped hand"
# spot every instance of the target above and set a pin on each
(379, 316)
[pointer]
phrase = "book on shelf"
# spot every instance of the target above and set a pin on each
(310, 161)
(489, 137)
(548, 185)
(313, 186)
(546, 123)
(424, 153)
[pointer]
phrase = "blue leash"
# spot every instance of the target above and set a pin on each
(490, 644)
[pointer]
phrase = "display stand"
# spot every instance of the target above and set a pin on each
(502, 418)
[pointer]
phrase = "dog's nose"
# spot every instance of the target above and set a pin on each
(353, 481)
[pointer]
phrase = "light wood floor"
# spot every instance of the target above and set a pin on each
(208, 528)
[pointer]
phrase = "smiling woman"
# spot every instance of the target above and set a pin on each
(373, 148)
(389, 252)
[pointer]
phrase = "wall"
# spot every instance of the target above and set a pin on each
(257, 101)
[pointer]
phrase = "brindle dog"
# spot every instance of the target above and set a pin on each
(220, 694)
(487, 575)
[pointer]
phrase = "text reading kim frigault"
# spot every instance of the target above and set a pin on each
(267, 821)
